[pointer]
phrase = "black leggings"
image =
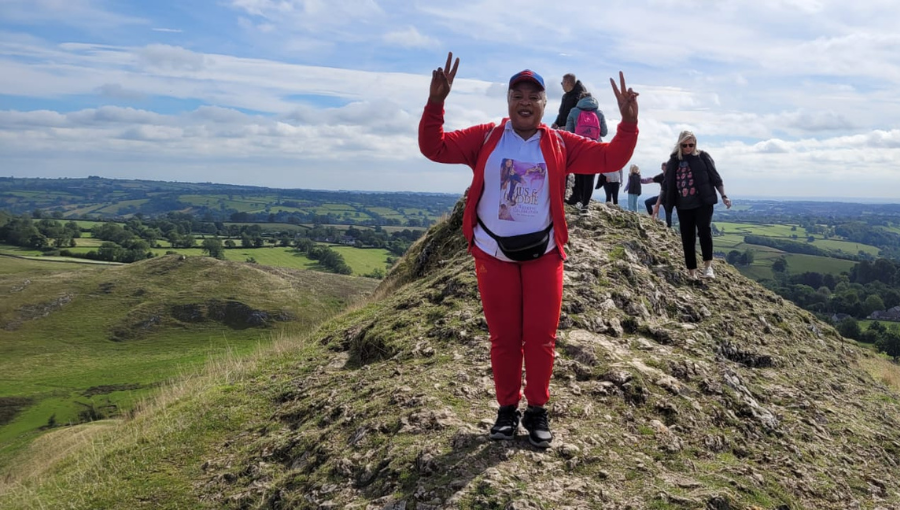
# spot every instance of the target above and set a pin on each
(583, 189)
(694, 222)
(612, 192)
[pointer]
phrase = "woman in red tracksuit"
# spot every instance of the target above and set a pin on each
(521, 289)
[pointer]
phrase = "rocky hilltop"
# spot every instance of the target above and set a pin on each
(666, 393)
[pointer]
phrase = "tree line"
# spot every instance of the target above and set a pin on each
(133, 240)
(869, 286)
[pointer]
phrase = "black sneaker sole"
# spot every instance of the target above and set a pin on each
(539, 444)
(500, 436)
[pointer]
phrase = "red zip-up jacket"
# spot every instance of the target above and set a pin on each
(564, 153)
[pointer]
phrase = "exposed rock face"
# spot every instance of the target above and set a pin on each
(665, 394)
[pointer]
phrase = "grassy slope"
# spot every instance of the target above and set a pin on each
(54, 359)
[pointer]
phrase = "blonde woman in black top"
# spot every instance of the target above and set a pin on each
(690, 184)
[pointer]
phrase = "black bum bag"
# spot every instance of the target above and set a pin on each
(522, 247)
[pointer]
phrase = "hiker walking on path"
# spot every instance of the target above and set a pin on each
(586, 120)
(690, 185)
(650, 202)
(611, 186)
(519, 251)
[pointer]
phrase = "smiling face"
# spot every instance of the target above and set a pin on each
(526, 107)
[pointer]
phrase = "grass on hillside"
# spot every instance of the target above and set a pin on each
(883, 370)
(61, 343)
(113, 463)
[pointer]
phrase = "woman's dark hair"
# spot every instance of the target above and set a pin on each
(584, 95)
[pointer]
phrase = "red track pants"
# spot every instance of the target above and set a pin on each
(521, 303)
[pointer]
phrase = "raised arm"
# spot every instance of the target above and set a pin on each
(442, 81)
(588, 157)
(456, 146)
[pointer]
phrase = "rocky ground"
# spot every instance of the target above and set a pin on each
(666, 393)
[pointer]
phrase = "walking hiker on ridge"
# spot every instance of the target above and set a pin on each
(611, 186)
(650, 202)
(587, 120)
(690, 185)
(519, 251)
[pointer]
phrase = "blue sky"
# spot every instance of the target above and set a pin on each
(791, 98)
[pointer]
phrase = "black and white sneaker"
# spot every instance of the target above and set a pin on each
(537, 423)
(507, 423)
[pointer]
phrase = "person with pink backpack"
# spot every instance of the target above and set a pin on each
(587, 120)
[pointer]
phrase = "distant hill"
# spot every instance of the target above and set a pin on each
(666, 394)
(80, 343)
(100, 198)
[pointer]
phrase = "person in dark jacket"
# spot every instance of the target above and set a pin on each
(650, 202)
(690, 184)
(573, 90)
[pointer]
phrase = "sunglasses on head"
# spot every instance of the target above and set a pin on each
(686, 145)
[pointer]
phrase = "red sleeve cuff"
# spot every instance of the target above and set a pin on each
(627, 127)
(435, 107)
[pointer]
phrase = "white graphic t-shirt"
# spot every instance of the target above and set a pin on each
(516, 198)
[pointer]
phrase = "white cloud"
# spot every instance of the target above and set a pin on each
(793, 94)
(409, 38)
(88, 14)
(315, 16)
(116, 91)
(165, 57)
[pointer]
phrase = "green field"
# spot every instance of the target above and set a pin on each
(865, 323)
(247, 204)
(361, 260)
(85, 224)
(118, 206)
(386, 212)
(75, 336)
(846, 246)
(12, 265)
(761, 230)
(761, 268)
(785, 232)
(797, 263)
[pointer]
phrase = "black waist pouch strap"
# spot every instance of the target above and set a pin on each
(524, 247)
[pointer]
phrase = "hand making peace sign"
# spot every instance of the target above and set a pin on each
(626, 98)
(442, 80)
